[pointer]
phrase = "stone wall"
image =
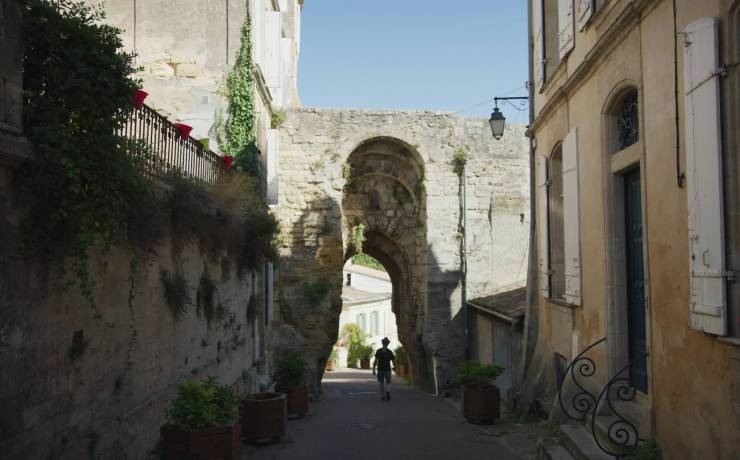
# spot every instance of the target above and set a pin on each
(392, 172)
(74, 386)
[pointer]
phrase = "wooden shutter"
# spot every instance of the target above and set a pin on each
(585, 10)
(708, 300)
(538, 24)
(542, 217)
(566, 32)
(571, 219)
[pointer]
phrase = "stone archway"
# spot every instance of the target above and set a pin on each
(392, 171)
(384, 192)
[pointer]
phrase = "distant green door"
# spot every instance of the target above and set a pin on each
(637, 330)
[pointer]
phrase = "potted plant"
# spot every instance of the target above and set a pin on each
(264, 417)
(289, 378)
(353, 338)
(331, 362)
(481, 399)
(202, 422)
(401, 361)
(365, 352)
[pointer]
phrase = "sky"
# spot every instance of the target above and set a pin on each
(442, 55)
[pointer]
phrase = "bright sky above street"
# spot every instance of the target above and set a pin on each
(441, 55)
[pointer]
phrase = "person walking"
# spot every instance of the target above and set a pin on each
(383, 358)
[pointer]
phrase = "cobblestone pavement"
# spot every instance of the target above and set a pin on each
(351, 422)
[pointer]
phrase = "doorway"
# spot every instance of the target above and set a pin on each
(635, 280)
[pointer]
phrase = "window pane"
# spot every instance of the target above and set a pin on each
(627, 121)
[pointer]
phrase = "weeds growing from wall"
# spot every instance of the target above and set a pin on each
(357, 237)
(78, 346)
(206, 298)
(176, 292)
(459, 159)
(316, 292)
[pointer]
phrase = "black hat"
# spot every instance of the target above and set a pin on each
(385, 340)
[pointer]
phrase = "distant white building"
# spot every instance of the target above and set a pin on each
(366, 301)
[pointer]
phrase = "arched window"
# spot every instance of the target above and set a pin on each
(555, 225)
(626, 116)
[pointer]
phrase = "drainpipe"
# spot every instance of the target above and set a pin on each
(465, 259)
(531, 319)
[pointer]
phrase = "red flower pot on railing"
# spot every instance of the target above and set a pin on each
(139, 97)
(184, 130)
(228, 161)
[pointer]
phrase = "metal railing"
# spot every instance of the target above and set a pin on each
(622, 436)
(166, 152)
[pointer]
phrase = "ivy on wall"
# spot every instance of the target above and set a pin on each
(236, 133)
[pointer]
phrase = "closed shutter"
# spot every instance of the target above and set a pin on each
(566, 39)
(708, 301)
(542, 216)
(539, 44)
(272, 49)
(571, 219)
(585, 10)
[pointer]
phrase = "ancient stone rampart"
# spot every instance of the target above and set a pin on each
(394, 173)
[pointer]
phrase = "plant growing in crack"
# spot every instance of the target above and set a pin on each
(316, 292)
(176, 292)
(459, 159)
(357, 237)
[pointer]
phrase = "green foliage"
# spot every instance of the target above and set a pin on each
(236, 134)
(357, 237)
(352, 337)
(277, 120)
(316, 292)
(459, 159)
(86, 187)
(346, 171)
(176, 292)
(203, 405)
(291, 369)
(646, 451)
(400, 354)
(365, 260)
(205, 298)
(78, 346)
(333, 356)
(474, 374)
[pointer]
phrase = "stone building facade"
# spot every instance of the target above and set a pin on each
(186, 48)
(636, 134)
(392, 175)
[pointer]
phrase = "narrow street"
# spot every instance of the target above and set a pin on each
(352, 422)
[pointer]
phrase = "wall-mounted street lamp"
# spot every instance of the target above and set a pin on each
(498, 120)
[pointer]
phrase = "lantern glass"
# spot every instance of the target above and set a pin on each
(497, 122)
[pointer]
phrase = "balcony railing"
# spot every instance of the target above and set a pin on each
(167, 152)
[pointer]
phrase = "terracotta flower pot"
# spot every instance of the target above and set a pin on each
(330, 365)
(400, 370)
(263, 417)
(365, 363)
(139, 97)
(297, 399)
(184, 130)
(481, 405)
(221, 443)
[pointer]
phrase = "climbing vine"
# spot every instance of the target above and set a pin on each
(235, 132)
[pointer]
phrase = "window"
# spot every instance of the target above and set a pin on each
(362, 322)
(374, 324)
(628, 130)
(556, 225)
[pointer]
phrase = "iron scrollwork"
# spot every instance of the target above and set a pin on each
(583, 402)
(623, 436)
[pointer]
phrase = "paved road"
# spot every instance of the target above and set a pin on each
(353, 423)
